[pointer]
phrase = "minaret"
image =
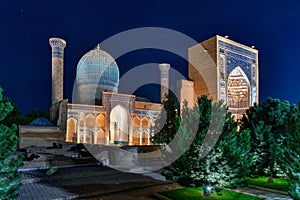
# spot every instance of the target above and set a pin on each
(164, 80)
(57, 46)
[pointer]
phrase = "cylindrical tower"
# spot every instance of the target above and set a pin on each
(57, 46)
(164, 80)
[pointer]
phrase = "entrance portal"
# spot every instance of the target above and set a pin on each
(238, 92)
(119, 126)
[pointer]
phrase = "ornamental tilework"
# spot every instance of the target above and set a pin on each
(230, 57)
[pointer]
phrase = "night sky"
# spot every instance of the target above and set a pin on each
(273, 27)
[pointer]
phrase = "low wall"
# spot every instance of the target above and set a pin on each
(39, 136)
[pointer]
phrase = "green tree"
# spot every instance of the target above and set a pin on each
(267, 125)
(168, 121)
(14, 117)
(223, 162)
(9, 164)
(291, 156)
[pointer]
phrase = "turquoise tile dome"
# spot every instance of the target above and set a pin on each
(97, 71)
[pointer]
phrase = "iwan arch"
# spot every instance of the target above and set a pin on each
(228, 72)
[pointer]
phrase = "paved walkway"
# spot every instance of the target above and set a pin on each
(103, 183)
(89, 182)
(138, 194)
(263, 194)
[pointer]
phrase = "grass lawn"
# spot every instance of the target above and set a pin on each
(197, 193)
(279, 183)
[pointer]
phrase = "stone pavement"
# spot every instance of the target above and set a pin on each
(138, 194)
(263, 193)
(88, 182)
(103, 183)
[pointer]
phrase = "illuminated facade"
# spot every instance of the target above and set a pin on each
(120, 119)
(101, 115)
(218, 68)
(224, 70)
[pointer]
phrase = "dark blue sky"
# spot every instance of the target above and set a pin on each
(26, 26)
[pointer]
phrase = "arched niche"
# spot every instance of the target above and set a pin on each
(100, 137)
(135, 137)
(145, 138)
(100, 121)
(90, 121)
(144, 122)
(238, 92)
(71, 130)
(136, 122)
(119, 125)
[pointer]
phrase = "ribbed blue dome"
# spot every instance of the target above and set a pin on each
(97, 71)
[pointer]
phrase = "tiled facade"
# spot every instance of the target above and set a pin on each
(225, 70)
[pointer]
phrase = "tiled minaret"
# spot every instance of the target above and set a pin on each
(57, 46)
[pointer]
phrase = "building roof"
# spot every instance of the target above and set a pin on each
(41, 122)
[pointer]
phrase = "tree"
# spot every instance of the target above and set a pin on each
(291, 156)
(267, 125)
(226, 161)
(9, 175)
(168, 121)
(14, 117)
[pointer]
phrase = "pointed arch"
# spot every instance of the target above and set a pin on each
(71, 135)
(144, 122)
(100, 137)
(135, 137)
(145, 137)
(90, 121)
(136, 122)
(119, 125)
(238, 92)
(100, 121)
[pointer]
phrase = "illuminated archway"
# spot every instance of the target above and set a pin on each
(136, 122)
(90, 121)
(71, 130)
(100, 137)
(100, 121)
(144, 123)
(145, 138)
(119, 125)
(136, 137)
(238, 96)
